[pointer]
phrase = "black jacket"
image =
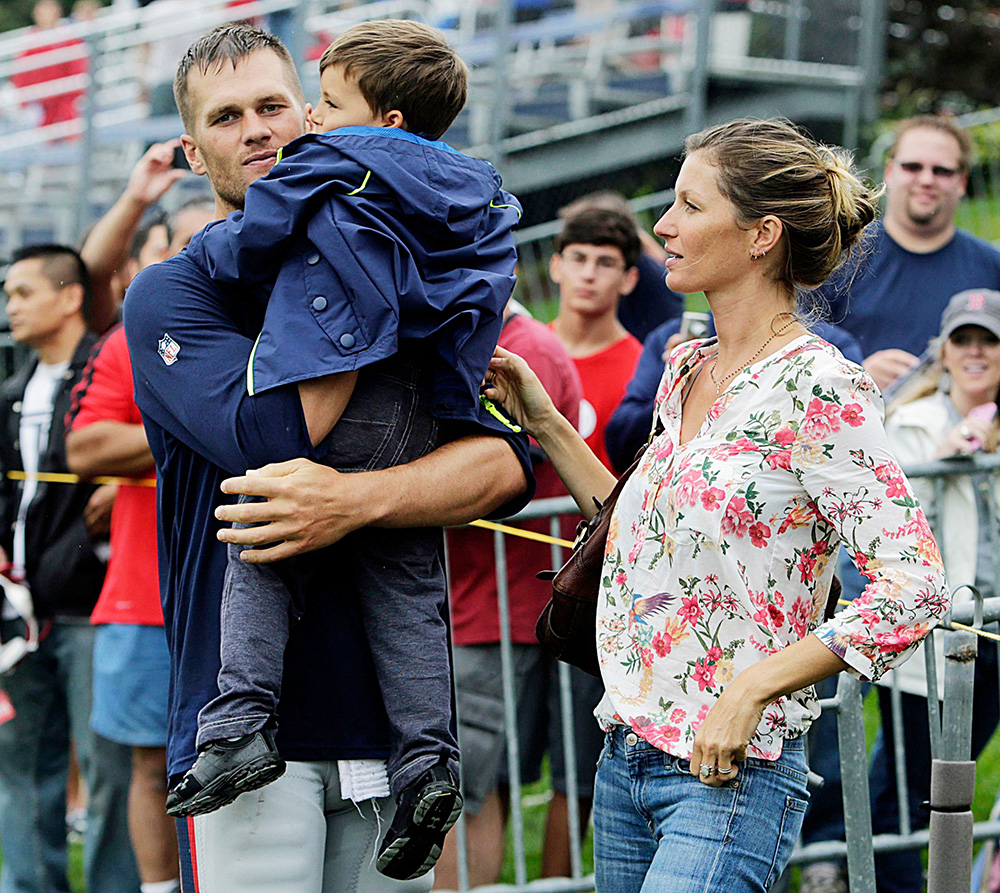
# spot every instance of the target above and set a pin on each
(64, 573)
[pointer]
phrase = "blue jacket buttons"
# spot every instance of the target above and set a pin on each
(319, 303)
(347, 340)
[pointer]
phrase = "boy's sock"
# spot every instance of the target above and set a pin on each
(225, 769)
(426, 810)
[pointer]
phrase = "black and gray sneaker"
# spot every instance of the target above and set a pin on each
(223, 770)
(427, 809)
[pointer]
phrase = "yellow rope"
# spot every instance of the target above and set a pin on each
(51, 477)
(54, 477)
(524, 534)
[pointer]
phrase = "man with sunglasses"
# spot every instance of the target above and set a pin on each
(916, 258)
(891, 301)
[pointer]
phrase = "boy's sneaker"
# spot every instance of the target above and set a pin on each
(427, 809)
(224, 770)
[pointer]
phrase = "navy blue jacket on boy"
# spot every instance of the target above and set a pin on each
(370, 235)
(190, 340)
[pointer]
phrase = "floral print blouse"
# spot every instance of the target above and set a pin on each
(722, 550)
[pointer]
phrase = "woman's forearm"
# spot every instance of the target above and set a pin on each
(581, 471)
(802, 663)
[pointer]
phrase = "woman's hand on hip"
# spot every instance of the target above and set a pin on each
(721, 740)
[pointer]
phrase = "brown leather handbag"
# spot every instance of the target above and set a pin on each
(567, 626)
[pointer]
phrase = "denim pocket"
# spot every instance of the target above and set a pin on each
(792, 817)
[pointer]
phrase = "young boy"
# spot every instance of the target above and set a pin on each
(383, 249)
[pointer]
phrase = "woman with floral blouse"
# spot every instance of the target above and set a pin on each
(767, 453)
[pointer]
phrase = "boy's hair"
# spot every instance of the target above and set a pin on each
(232, 42)
(404, 65)
(601, 226)
(61, 265)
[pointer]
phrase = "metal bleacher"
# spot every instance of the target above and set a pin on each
(559, 90)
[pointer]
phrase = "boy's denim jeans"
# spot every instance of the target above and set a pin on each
(658, 829)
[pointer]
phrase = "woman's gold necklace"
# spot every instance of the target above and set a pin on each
(743, 367)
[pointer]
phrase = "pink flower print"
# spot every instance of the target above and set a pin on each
(759, 533)
(704, 674)
(853, 414)
(779, 459)
(895, 488)
(646, 656)
(900, 638)
(621, 578)
(784, 437)
(678, 715)
(711, 578)
(742, 445)
(886, 471)
(714, 653)
(710, 498)
(806, 566)
(737, 518)
(770, 617)
(821, 420)
(869, 617)
(691, 484)
(661, 645)
(663, 451)
(689, 609)
(799, 616)
(700, 718)
(663, 736)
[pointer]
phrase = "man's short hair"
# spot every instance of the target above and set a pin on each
(601, 226)
(943, 123)
(404, 65)
(61, 265)
(198, 203)
(232, 42)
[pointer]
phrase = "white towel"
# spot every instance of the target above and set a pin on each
(363, 779)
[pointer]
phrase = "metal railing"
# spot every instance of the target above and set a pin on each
(580, 84)
(950, 738)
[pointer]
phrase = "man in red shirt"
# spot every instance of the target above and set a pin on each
(594, 266)
(106, 437)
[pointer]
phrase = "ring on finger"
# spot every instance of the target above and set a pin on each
(706, 770)
(728, 771)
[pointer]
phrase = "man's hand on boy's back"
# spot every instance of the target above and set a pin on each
(308, 506)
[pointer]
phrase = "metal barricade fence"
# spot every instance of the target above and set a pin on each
(950, 841)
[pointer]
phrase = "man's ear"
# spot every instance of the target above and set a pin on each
(555, 268)
(630, 279)
(309, 123)
(72, 295)
(192, 155)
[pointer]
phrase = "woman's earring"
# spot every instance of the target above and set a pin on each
(757, 255)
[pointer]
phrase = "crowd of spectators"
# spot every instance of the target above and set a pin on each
(88, 549)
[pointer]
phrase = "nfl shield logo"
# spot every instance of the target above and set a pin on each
(168, 349)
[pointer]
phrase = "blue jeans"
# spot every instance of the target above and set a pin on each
(398, 574)
(51, 692)
(659, 830)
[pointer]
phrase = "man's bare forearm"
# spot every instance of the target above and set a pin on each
(108, 448)
(106, 251)
(457, 483)
(307, 506)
